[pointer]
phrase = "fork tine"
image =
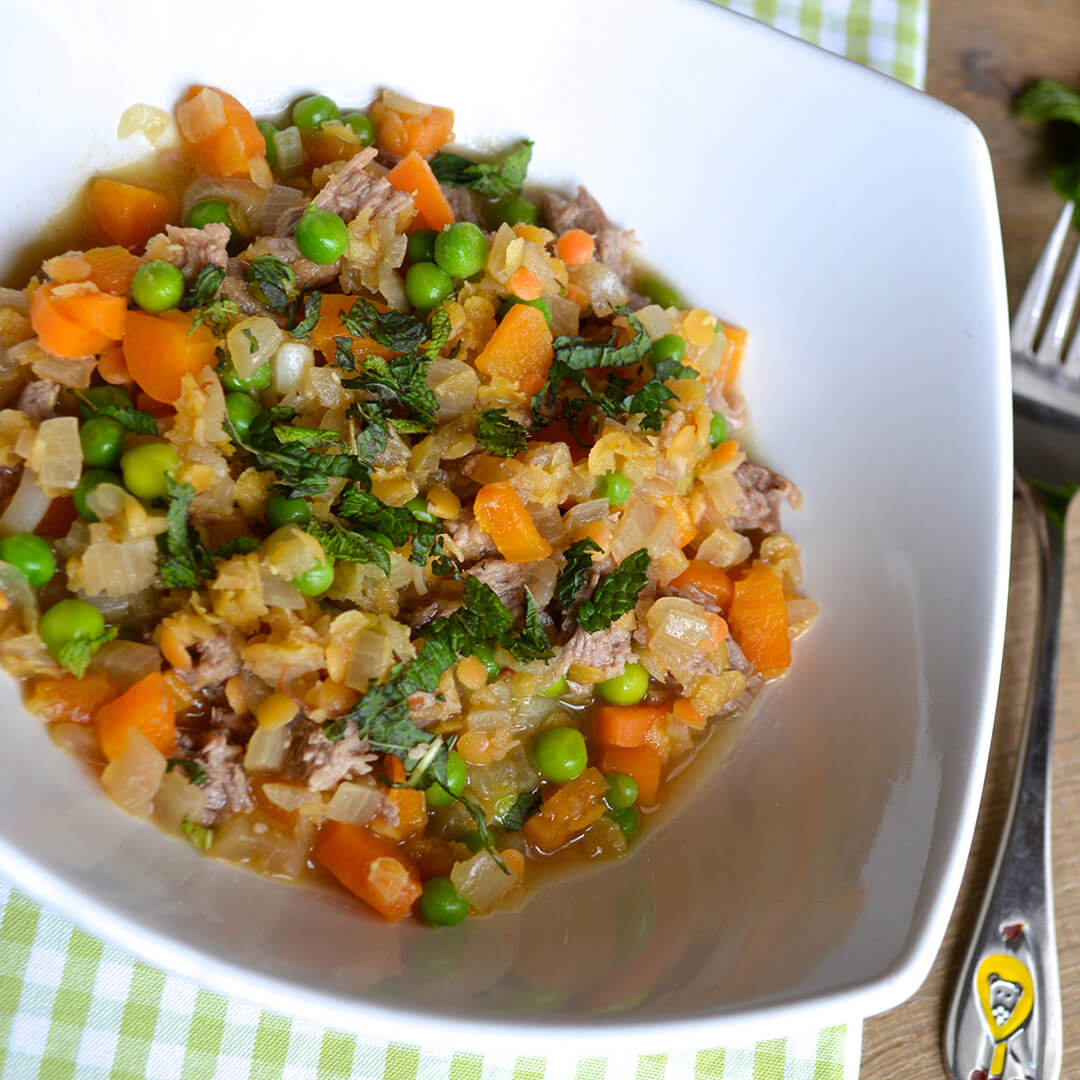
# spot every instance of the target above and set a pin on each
(1025, 323)
(1048, 354)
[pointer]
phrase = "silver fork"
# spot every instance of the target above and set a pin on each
(1005, 1016)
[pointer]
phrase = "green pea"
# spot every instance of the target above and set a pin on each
(625, 689)
(461, 249)
(517, 210)
(486, 654)
(310, 113)
(659, 291)
(284, 511)
(418, 506)
(255, 383)
(157, 286)
(207, 212)
(560, 754)
(457, 776)
(241, 410)
(317, 580)
(269, 133)
(87, 482)
(68, 621)
(102, 442)
(427, 286)
(557, 688)
(615, 487)
(104, 396)
(30, 554)
(321, 236)
(421, 246)
(540, 304)
(441, 904)
(147, 467)
(669, 347)
(363, 127)
(622, 791)
(628, 819)
(717, 429)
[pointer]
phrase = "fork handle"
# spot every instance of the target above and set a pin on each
(1005, 1016)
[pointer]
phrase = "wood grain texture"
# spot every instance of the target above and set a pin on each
(981, 53)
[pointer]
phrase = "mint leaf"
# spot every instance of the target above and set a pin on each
(200, 836)
(499, 434)
(531, 641)
(141, 423)
(520, 810)
(291, 433)
(184, 561)
(75, 655)
(439, 329)
(194, 769)
(272, 283)
(574, 575)
(616, 594)
(312, 307)
(496, 179)
(348, 545)
(203, 288)
(397, 331)
(401, 381)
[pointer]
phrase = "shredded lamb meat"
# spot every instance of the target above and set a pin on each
(462, 203)
(226, 788)
(196, 248)
(322, 764)
(759, 506)
(471, 541)
(353, 188)
(38, 399)
(608, 650)
(584, 212)
(506, 579)
(308, 274)
(219, 659)
(430, 708)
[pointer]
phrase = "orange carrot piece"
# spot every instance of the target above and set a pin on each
(520, 350)
(69, 697)
(643, 763)
(575, 247)
(393, 769)
(686, 712)
(330, 326)
(112, 269)
(371, 868)
(626, 725)
(403, 134)
(570, 810)
(127, 214)
(709, 580)
(413, 174)
(228, 150)
(146, 707)
(577, 295)
(112, 366)
(524, 284)
(411, 806)
(502, 515)
(758, 619)
(725, 452)
(734, 350)
(76, 320)
(161, 349)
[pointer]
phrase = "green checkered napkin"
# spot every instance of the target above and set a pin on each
(74, 1008)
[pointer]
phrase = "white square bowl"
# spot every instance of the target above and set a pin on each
(850, 224)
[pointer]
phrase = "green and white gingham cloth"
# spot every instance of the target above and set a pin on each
(74, 1008)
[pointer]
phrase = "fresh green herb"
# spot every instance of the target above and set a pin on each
(401, 381)
(312, 308)
(531, 641)
(272, 282)
(521, 809)
(343, 354)
(200, 836)
(184, 562)
(372, 438)
(306, 436)
(203, 288)
(1048, 99)
(239, 545)
(194, 769)
(348, 545)
(499, 434)
(398, 524)
(142, 423)
(252, 340)
(496, 179)
(483, 831)
(398, 331)
(217, 316)
(652, 400)
(616, 594)
(75, 654)
(574, 575)
(439, 330)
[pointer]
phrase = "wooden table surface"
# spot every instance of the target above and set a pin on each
(981, 52)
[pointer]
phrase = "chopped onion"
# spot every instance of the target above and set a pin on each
(279, 593)
(290, 149)
(107, 500)
(117, 568)
(481, 881)
(271, 849)
(145, 120)
(801, 612)
(655, 320)
(266, 749)
(20, 596)
(178, 798)
(679, 626)
(251, 342)
(455, 385)
(78, 740)
(583, 513)
(539, 577)
(290, 551)
(127, 662)
(371, 658)
(404, 105)
(67, 372)
(245, 199)
(201, 116)
(289, 796)
(604, 287)
(354, 804)
(15, 298)
(644, 525)
(278, 199)
(27, 507)
(133, 779)
(511, 774)
(724, 548)
(56, 455)
(289, 364)
(565, 315)
(723, 489)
